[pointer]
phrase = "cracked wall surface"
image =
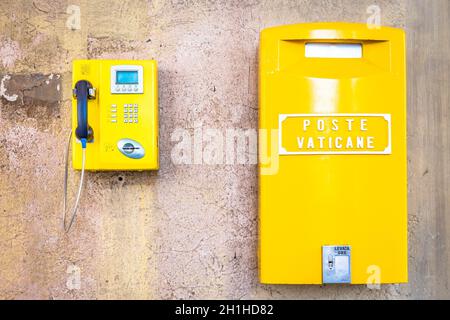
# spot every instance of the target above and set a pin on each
(188, 230)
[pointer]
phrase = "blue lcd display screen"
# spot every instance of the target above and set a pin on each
(127, 77)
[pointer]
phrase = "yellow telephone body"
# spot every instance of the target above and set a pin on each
(333, 173)
(123, 115)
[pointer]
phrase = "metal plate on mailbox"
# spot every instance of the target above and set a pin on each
(334, 134)
(336, 264)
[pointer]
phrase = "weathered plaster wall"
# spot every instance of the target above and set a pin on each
(187, 231)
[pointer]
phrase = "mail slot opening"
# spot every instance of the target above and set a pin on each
(333, 50)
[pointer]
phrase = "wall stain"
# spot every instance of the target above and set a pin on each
(37, 96)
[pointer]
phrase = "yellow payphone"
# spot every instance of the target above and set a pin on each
(114, 118)
(333, 207)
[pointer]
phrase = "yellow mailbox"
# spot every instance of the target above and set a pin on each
(333, 162)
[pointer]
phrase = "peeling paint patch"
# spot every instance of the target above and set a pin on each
(3, 93)
(35, 96)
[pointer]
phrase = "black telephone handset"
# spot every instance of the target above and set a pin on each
(82, 92)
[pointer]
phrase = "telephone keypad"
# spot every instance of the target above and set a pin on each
(130, 113)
